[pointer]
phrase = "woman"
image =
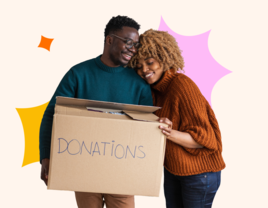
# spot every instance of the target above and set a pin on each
(193, 160)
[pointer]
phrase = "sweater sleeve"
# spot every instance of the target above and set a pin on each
(197, 118)
(146, 96)
(66, 88)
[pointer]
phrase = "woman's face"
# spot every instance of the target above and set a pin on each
(149, 69)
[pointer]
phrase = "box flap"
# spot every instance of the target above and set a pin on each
(141, 116)
(81, 111)
(100, 104)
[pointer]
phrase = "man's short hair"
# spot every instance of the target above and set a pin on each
(116, 23)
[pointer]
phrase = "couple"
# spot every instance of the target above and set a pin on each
(193, 160)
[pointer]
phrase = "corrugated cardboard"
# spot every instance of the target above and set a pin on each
(105, 153)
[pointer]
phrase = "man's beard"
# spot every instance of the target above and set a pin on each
(117, 61)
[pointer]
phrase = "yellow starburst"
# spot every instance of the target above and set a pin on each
(31, 120)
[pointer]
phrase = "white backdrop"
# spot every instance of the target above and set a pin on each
(30, 75)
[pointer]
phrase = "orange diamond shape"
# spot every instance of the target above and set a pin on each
(45, 42)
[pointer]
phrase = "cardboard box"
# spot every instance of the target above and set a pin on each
(98, 152)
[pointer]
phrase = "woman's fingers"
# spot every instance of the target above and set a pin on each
(166, 121)
(166, 129)
(166, 133)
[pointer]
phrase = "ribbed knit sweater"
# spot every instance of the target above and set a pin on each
(95, 81)
(183, 103)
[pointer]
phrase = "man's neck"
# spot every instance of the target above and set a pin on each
(107, 61)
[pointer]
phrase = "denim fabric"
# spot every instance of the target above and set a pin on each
(195, 191)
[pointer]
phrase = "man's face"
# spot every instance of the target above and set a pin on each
(119, 53)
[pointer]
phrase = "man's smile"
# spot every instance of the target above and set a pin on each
(127, 56)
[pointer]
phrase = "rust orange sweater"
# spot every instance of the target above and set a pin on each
(183, 103)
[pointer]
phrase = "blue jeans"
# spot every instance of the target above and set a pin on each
(196, 191)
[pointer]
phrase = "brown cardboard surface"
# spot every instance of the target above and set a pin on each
(106, 105)
(82, 111)
(141, 116)
(105, 153)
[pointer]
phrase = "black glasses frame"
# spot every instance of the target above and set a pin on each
(129, 43)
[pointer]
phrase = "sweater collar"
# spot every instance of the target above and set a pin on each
(164, 82)
(107, 68)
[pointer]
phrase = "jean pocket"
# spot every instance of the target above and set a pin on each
(198, 181)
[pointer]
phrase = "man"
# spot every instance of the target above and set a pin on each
(103, 78)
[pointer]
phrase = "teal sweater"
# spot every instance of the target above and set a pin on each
(95, 81)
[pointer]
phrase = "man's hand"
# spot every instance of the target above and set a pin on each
(44, 170)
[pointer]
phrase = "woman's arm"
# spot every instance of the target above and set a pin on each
(196, 118)
(182, 138)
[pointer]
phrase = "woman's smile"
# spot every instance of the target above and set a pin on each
(149, 69)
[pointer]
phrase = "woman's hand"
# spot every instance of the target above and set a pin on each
(182, 138)
(166, 121)
(167, 131)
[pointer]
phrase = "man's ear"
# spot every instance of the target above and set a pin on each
(108, 40)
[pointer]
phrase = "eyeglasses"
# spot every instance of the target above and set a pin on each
(129, 43)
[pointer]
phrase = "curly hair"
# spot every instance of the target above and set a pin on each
(116, 23)
(161, 46)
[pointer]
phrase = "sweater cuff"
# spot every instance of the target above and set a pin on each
(44, 153)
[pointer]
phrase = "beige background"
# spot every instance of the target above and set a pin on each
(29, 76)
